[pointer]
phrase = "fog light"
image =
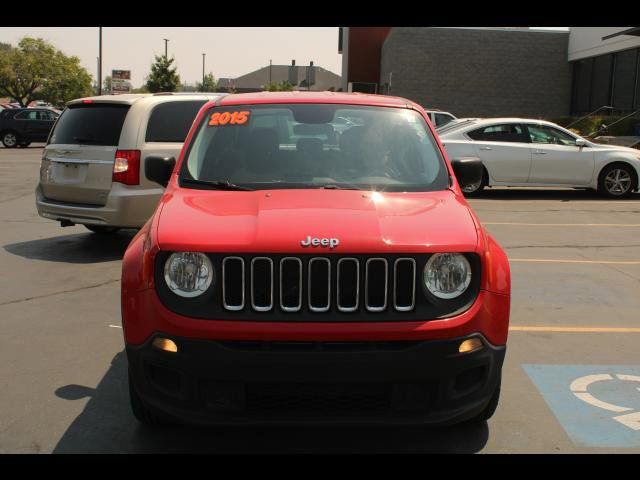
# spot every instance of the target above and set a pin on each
(470, 345)
(165, 344)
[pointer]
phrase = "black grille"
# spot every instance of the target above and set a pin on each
(318, 398)
(308, 288)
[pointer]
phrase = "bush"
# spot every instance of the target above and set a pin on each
(628, 126)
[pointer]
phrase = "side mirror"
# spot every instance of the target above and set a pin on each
(580, 142)
(468, 170)
(159, 169)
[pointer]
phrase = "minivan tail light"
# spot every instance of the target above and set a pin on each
(126, 168)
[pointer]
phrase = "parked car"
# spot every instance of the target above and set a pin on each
(21, 126)
(93, 166)
(439, 118)
(524, 152)
(282, 281)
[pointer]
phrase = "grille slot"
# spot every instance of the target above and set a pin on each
(290, 284)
(233, 283)
(262, 284)
(319, 284)
(404, 284)
(376, 284)
(348, 284)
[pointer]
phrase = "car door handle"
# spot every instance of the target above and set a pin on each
(486, 148)
(539, 152)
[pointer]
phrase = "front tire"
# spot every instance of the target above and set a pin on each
(10, 139)
(617, 180)
(101, 229)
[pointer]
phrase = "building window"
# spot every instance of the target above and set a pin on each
(601, 83)
(624, 79)
(607, 80)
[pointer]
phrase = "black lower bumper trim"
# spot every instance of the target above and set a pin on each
(232, 382)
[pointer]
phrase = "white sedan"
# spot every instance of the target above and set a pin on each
(533, 153)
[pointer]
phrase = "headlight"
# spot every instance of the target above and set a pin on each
(447, 275)
(188, 274)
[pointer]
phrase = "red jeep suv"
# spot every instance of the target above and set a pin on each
(313, 259)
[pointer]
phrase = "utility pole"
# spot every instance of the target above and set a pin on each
(99, 60)
(203, 55)
(270, 65)
(166, 41)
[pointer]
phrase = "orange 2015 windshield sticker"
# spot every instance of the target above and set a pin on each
(228, 118)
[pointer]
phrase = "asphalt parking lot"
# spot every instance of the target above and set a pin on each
(571, 380)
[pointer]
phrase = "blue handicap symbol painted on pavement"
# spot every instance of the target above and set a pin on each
(597, 405)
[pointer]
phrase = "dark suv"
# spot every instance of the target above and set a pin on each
(21, 126)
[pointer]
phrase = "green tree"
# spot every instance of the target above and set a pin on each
(283, 86)
(106, 85)
(36, 70)
(210, 84)
(163, 78)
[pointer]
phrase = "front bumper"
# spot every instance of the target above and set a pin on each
(125, 207)
(261, 382)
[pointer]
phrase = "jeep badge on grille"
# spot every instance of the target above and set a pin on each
(320, 242)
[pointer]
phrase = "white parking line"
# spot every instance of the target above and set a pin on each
(115, 326)
(560, 260)
(552, 329)
(629, 225)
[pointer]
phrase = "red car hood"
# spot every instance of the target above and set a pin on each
(278, 220)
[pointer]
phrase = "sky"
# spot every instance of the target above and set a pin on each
(230, 52)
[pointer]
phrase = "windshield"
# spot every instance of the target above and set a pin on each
(314, 146)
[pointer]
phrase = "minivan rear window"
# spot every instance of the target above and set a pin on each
(170, 121)
(90, 124)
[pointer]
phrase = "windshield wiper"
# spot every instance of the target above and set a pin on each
(216, 184)
(333, 186)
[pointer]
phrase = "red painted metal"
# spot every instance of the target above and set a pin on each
(276, 220)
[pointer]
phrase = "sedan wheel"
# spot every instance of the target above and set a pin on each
(9, 140)
(617, 181)
(475, 188)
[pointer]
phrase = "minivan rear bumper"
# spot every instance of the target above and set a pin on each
(125, 207)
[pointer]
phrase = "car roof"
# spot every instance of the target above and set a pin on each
(351, 98)
(131, 98)
(487, 121)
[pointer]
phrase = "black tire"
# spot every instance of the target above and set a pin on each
(491, 407)
(10, 139)
(617, 180)
(101, 229)
(140, 409)
(473, 192)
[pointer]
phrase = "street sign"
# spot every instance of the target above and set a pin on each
(120, 81)
(121, 74)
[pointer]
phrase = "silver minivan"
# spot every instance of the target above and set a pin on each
(92, 169)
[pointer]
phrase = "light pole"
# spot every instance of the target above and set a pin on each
(166, 41)
(270, 65)
(99, 61)
(203, 55)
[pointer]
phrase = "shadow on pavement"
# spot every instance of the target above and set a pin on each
(106, 425)
(564, 195)
(77, 248)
